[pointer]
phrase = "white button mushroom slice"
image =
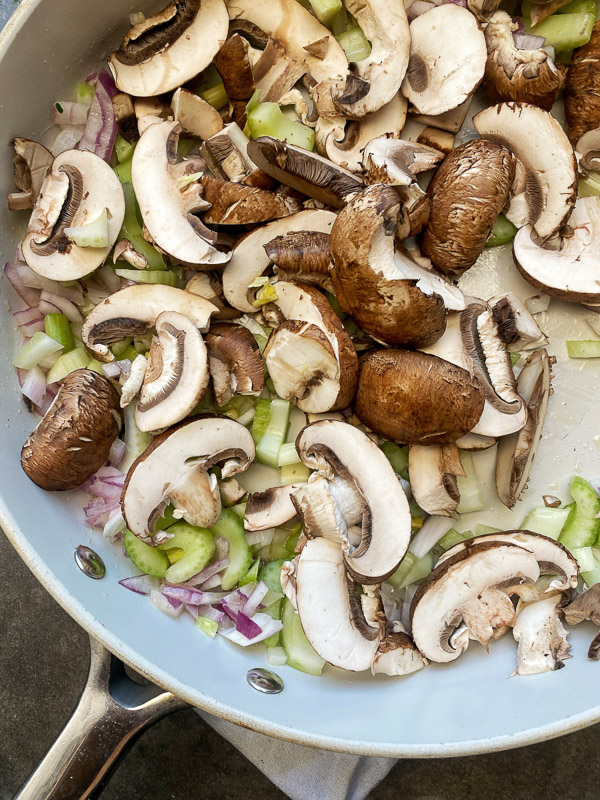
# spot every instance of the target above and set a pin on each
(331, 616)
(516, 452)
(195, 115)
(288, 580)
(310, 356)
(450, 121)
(226, 154)
(124, 250)
(586, 606)
(234, 63)
(344, 141)
(552, 557)
(542, 639)
(474, 442)
(249, 259)
(177, 373)
(570, 273)
(538, 141)
(447, 59)
(174, 467)
(231, 492)
(587, 152)
(291, 28)
(341, 449)
(78, 188)
(167, 211)
(483, 9)
(270, 508)
(437, 609)
(433, 470)
(397, 161)
(519, 329)
(488, 616)
(328, 508)
(236, 364)
(397, 655)
(134, 380)
(171, 47)
(134, 310)
(31, 161)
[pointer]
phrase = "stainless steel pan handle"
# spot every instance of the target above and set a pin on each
(112, 711)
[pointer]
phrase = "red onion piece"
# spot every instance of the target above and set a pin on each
(163, 604)
(111, 370)
(34, 386)
(461, 3)
(111, 475)
(192, 596)
(30, 278)
(255, 599)
(117, 451)
(268, 625)
(519, 23)
(210, 613)
(66, 139)
(30, 296)
(101, 129)
(260, 538)
(246, 626)
(527, 41)
(417, 8)
(211, 583)
(49, 301)
(71, 114)
(208, 572)
(140, 584)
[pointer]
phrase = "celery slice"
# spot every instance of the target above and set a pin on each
(267, 294)
(583, 348)
(453, 538)
(339, 23)
(355, 44)
(163, 276)
(231, 527)
(300, 653)
(149, 560)
(123, 171)
(95, 366)
(584, 557)
(294, 473)
(578, 7)
(85, 93)
(35, 350)
(67, 363)
(274, 611)
(207, 626)
(136, 441)
(267, 450)
(261, 419)
(565, 31)
(404, 568)
(502, 232)
(198, 546)
(590, 186)
(271, 575)
(547, 521)
(58, 328)
(252, 575)
(470, 491)
(123, 149)
(325, 10)
(398, 458)
(267, 119)
(288, 455)
(92, 234)
(132, 230)
(592, 576)
(582, 527)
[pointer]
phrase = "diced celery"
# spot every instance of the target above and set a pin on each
(174, 554)
(300, 653)
(470, 491)
(398, 458)
(578, 7)
(85, 93)
(484, 530)
(592, 576)
(325, 10)
(274, 611)
(254, 101)
(118, 348)
(267, 119)
(276, 656)
(406, 565)
(267, 294)
(547, 521)
(35, 350)
(502, 232)
(207, 626)
(565, 31)
(419, 570)
(590, 186)
(58, 328)
(67, 363)
(355, 44)
(288, 455)
(167, 519)
(92, 234)
(95, 366)
(453, 538)
(239, 509)
(582, 527)
(252, 575)
(198, 547)
(149, 560)
(231, 527)
(123, 171)
(294, 473)
(123, 149)
(261, 419)
(267, 450)
(132, 230)
(340, 22)
(136, 441)
(271, 575)
(583, 349)
(514, 358)
(215, 95)
(164, 276)
(584, 557)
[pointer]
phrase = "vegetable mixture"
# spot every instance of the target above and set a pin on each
(244, 334)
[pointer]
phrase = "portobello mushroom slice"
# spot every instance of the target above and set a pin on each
(236, 364)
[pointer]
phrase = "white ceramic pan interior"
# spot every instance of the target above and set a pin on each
(468, 707)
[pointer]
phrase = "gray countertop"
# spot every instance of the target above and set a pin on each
(43, 665)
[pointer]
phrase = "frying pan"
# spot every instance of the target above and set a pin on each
(469, 707)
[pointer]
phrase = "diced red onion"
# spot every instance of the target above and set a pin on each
(537, 303)
(192, 610)
(210, 613)
(111, 370)
(66, 139)
(417, 8)
(527, 41)
(111, 475)
(27, 315)
(116, 453)
(208, 572)
(163, 604)
(124, 365)
(268, 627)
(211, 583)
(34, 386)
(109, 278)
(64, 306)
(255, 599)
(246, 626)
(30, 278)
(140, 584)
(49, 399)
(101, 129)
(30, 296)
(96, 293)
(221, 548)
(519, 23)
(98, 511)
(71, 114)
(193, 596)
(260, 538)
(461, 3)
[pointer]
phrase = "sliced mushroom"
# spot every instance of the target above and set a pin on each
(32, 161)
(518, 327)
(397, 655)
(304, 171)
(124, 250)
(569, 273)
(483, 9)
(330, 613)
(336, 448)
(397, 161)
(454, 602)
(208, 285)
(582, 107)
(74, 437)
(328, 508)
(389, 296)
(467, 193)
(450, 121)
(447, 59)
(270, 508)
(310, 356)
(236, 364)
(125, 117)
(167, 210)
(226, 154)
(415, 398)
(474, 441)
(302, 255)
(517, 451)
(587, 151)
(543, 644)
(171, 47)
(437, 139)
(433, 470)
(134, 381)
(78, 188)
(237, 204)
(344, 141)
(174, 469)
(195, 115)
(149, 110)
(586, 606)
(134, 310)
(249, 259)
(234, 65)
(547, 160)
(527, 76)
(177, 374)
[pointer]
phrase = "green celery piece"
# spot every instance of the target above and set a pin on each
(339, 24)
(514, 358)
(58, 327)
(503, 232)
(266, 294)
(207, 626)
(271, 575)
(294, 473)
(149, 560)
(132, 230)
(252, 575)
(130, 352)
(547, 521)
(85, 92)
(35, 350)
(136, 441)
(67, 363)
(398, 458)
(198, 547)
(240, 509)
(231, 527)
(591, 577)
(406, 565)
(584, 557)
(470, 491)
(288, 455)
(453, 538)
(355, 44)
(95, 366)
(253, 103)
(167, 519)
(163, 276)
(123, 149)
(267, 450)
(326, 10)
(261, 419)
(215, 96)
(590, 186)
(123, 171)
(583, 348)
(267, 119)
(565, 31)
(484, 530)
(419, 570)
(210, 87)
(273, 611)
(300, 653)
(581, 528)
(579, 7)
(118, 348)
(334, 303)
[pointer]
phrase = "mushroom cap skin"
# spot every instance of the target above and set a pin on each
(330, 614)
(337, 448)
(552, 557)
(238, 204)
(249, 260)
(447, 59)
(518, 327)
(174, 467)
(467, 193)
(543, 645)
(303, 256)
(77, 189)
(177, 373)
(417, 398)
(582, 105)
(343, 142)
(234, 65)
(170, 48)
(516, 452)
(397, 655)
(525, 76)
(540, 144)
(457, 583)
(390, 297)
(570, 273)
(167, 211)
(397, 161)
(74, 437)
(311, 351)
(134, 310)
(585, 606)
(236, 364)
(433, 470)
(195, 115)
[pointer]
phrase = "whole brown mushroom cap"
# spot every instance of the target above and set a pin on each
(417, 398)
(467, 193)
(74, 438)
